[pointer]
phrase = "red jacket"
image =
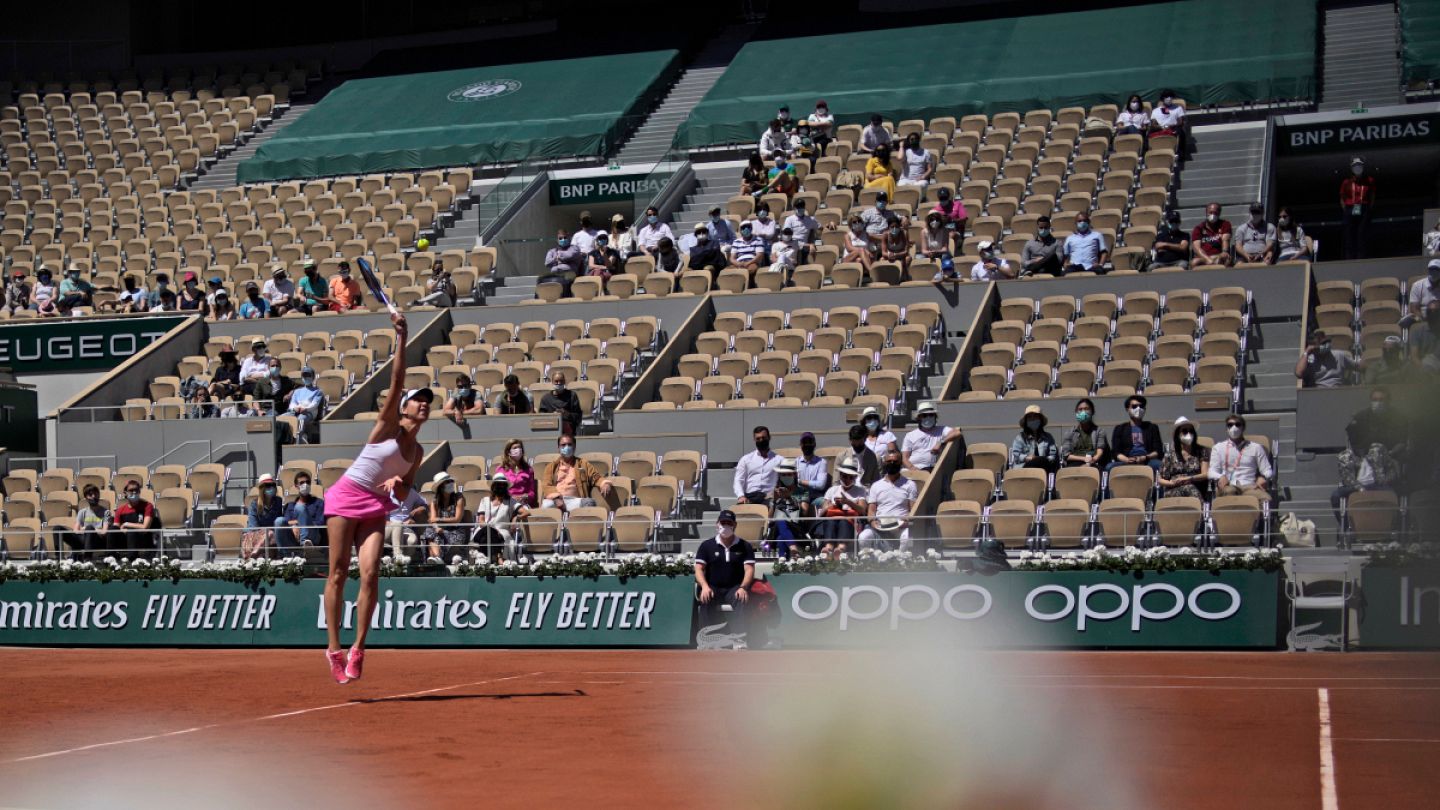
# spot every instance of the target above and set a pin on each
(1357, 191)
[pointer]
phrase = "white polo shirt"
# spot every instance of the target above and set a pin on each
(892, 500)
(924, 445)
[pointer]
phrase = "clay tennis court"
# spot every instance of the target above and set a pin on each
(453, 729)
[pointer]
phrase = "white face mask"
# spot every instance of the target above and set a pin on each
(1187, 439)
(517, 453)
(1357, 170)
(1135, 106)
(1377, 407)
(303, 489)
(725, 530)
(1137, 412)
(1235, 432)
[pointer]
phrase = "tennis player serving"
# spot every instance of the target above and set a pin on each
(356, 507)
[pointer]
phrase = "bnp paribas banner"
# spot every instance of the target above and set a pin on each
(1402, 607)
(413, 612)
(1195, 609)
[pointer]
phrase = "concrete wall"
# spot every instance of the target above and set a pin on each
(364, 321)
(1322, 413)
(132, 377)
(187, 441)
(1358, 270)
(525, 235)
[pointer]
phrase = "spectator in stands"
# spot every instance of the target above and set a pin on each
(1255, 238)
(603, 261)
(724, 571)
(135, 520)
(822, 125)
(1239, 466)
(254, 306)
(1377, 437)
(804, 228)
(162, 283)
(803, 146)
(584, 238)
(919, 163)
(652, 232)
(311, 290)
(226, 379)
(921, 448)
(213, 286)
(1084, 251)
(279, 291)
(1086, 445)
(840, 509)
(568, 480)
(1033, 446)
(202, 404)
(862, 456)
(92, 523)
(1184, 472)
(266, 510)
(1391, 367)
(515, 470)
(877, 436)
(75, 291)
(784, 256)
(953, 213)
(445, 537)
(860, 246)
(272, 392)
(1168, 119)
(935, 239)
(1172, 244)
(1210, 240)
(1430, 242)
(255, 368)
(1291, 243)
(812, 473)
(1322, 366)
(1136, 441)
(880, 173)
(755, 473)
(562, 263)
(303, 523)
(875, 136)
(622, 238)
(991, 266)
(783, 116)
(496, 516)
(238, 408)
(1132, 120)
(513, 400)
(782, 179)
(565, 402)
(1357, 200)
(45, 295)
(345, 291)
(307, 405)
(1425, 340)
(1421, 294)
(763, 225)
(788, 511)
(407, 514)
(895, 246)
(439, 288)
(774, 140)
(667, 257)
(755, 177)
(133, 298)
(748, 250)
(167, 302)
(224, 308)
(464, 402)
(191, 299)
(719, 227)
(17, 293)
(707, 254)
(1041, 254)
(888, 506)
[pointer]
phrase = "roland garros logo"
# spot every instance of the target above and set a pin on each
(484, 90)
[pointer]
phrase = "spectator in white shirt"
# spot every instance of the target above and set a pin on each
(922, 446)
(755, 474)
(1132, 120)
(1169, 117)
(1422, 293)
(783, 254)
(874, 136)
(1239, 466)
(888, 506)
(991, 267)
(919, 163)
(843, 504)
(878, 438)
(762, 224)
(279, 291)
(804, 227)
(652, 232)
(622, 237)
(775, 140)
(584, 239)
(255, 368)
(822, 125)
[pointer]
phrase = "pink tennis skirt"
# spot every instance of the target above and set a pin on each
(348, 499)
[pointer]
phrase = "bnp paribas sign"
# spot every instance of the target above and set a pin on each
(602, 189)
(84, 344)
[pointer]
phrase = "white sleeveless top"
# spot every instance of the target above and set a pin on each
(916, 164)
(378, 463)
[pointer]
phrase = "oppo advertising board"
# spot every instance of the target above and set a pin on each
(1402, 608)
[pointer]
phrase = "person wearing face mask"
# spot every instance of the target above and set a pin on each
(860, 247)
(774, 139)
(1041, 254)
(1132, 119)
(1184, 472)
(753, 178)
(496, 516)
(568, 480)
(812, 475)
(622, 238)
(1239, 466)
(880, 172)
(17, 293)
(513, 400)
(162, 283)
(781, 178)
(602, 261)
(191, 299)
(724, 572)
(706, 254)
(895, 247)
(921, 448)
(408, 513)
(464, 402)
(1392, 367)
(45, 294)
(1425, 340)
(279, 291)
(840, 509)
(802, 144)
(439, 288)
(167, 302)
(1255, 238)
(991, 266)
(861, 456)
(1136, 440)
(874, 136)
(822, 125)
(75, 291)
(1168, 118)
(888, 506)
(223, 308)
(255, 368)
(307, 405)
(652, 231)
(562, 263)
(953, 213)
(311, 289)
(1322, 366)
(135, 520)
(254, 306)
(1357, 199)
(560, 399)
(87, 533)
(762, 224)
(1379, 437)
(516, 471)
(202, 405)
(718, 227)
(748, 250)
(1172, 244)
(935, 239)
(1422, 293)
(273, 391)
(877, 436)
(784, 257)
(265, 512)
(805, 228)
(344, 291)
(1084, 251)
(755, 473)
(1291, 243)
(303, 523)
(1086, 445)
(133, 298)
(919, 163)
(786, 529)
(667, 257)
(1033, 446)
(445, 537)
(1210, 240)
(584, 237)
(238, 407)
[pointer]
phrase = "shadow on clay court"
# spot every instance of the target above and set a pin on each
(490, 696)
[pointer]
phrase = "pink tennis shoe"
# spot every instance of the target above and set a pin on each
(352, 667)
(337, 665)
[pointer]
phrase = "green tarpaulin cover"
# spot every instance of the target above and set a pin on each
(1420, 28)
(464, 117)
(1210, 51)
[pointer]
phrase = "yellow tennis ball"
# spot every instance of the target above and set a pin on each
(423, 244)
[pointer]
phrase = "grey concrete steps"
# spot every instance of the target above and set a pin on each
(223, 173)
(1361, 56)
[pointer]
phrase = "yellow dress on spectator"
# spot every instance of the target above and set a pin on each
(885, 183)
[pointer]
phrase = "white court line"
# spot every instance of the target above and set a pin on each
(1065, 677)
(1328, 798)
(357, 702)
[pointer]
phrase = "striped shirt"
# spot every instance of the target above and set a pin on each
(743, 250)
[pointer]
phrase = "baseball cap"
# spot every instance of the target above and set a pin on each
(215, 281)
(307, 372)
(726, 516)
(1434, 264)
(715, 211)
(423, 393)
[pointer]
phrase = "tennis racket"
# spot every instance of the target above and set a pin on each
(373, 282)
